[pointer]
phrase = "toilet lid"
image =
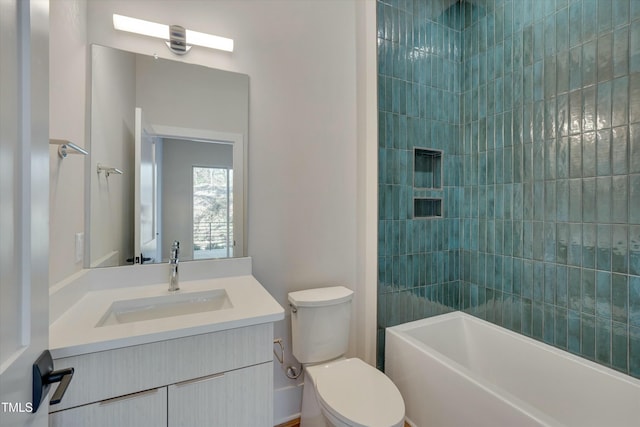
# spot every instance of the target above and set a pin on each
(359, 394)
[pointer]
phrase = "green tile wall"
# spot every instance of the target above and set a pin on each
(419, 76)
(536, 106)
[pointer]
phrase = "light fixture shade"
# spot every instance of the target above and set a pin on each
(140, 26)
(161, 31)
(209, 40)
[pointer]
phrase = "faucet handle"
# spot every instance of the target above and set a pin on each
(175, 249)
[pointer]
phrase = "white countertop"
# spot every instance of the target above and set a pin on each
(75, 332)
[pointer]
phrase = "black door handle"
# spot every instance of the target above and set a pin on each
(44, 376)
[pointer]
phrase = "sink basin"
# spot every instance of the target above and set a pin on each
(136, 310)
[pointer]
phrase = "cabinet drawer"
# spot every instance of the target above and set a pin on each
(144, 409)
(107, 374)
(239, 398)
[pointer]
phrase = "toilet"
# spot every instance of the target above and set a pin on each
(337, 392)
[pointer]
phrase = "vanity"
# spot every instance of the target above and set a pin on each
(145, 356)
(164, 163)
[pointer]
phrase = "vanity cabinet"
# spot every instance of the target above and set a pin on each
(215, 379)
(144, 409)
(233, 398)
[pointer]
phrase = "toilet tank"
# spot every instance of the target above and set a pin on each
(320, 323)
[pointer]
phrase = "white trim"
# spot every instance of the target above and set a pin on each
(367, 182)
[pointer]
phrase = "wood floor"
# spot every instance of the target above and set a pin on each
(296, 423)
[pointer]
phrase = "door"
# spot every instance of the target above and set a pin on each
(146, 192)
(24, 205)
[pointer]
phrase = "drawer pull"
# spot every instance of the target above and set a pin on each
(128, 396)
(199, 380)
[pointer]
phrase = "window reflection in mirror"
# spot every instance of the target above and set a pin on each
(191, 118)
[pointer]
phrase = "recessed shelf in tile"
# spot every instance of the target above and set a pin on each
(427, 208)
(427, 168)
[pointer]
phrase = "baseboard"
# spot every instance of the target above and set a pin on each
(287, 402)
(292, 423)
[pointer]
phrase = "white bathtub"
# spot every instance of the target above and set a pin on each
(457, 370)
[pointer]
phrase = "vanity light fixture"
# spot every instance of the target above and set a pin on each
(178, 39)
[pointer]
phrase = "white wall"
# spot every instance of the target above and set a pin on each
(113, 103)
(172, 94)
(67, 105)
(308, 224)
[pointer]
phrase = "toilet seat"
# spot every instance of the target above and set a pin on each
(357, 394)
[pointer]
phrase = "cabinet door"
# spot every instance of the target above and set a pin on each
(198, 402)
(240, 398)
(144, 409)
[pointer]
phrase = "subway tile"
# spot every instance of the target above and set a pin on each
(634, 301)
(588, 245)
(575, 68)
(604, 15)
(575, 200)
(589, 103)
(603, 158)
(549, 283)
(603, 258)
(575, 112)
(634, 351)
(588, 338)
(589, 19)
(575, 23)
(603, 294)
(562, 158)
(634, 149)
(604, 105)
(603, 341)
(604, 198)
(588, 289)
(574, 332)
(575, 156)
(562, 242)
(619, 298)
(619, 150)
(589, 154)
(619, 258)
(619, 347)
(562, 30)
(634, 199)
(561, 297)
(634, 94)
(634, 250)
(634, 11)
(621, 51)
(620, 103)
(634, 46)
(589, 200)
(620, 195)
(590, 64)
(537, 320)
(575, 288)
(549, 315)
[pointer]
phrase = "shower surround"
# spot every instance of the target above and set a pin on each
(535, 105)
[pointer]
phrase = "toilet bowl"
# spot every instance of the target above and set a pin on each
(337, 392)
(350, 393)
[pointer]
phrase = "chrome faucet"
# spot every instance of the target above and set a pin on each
(173, 263)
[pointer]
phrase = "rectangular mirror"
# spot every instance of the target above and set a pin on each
(168, 160)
